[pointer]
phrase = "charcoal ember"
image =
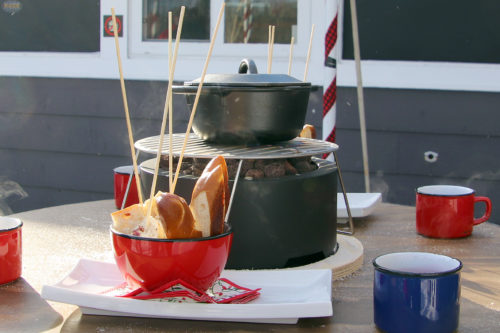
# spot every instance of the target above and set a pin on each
(200, 163)
(247, 165)
(303, 164)
(260, 164)
(254, 174)
(290, 169)
(232, 167)
(296, 160)
(186, 164)
(275, 169)
(197, 171)
(187, 171)
(164, 162)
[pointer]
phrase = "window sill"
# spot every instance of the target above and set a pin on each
(421, 75)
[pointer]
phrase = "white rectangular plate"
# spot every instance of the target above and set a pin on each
(286, 296)
(361, 204)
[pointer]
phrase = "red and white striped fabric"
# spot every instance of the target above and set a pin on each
(247, 21)
(330, 78)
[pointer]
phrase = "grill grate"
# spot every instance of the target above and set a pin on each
(197, 148)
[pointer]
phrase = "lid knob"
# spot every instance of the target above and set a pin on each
(247, 66)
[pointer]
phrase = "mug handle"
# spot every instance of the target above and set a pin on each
(487, 213)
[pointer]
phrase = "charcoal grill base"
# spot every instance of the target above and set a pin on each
(277, 222)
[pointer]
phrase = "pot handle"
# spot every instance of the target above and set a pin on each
(247, 66)
(184, 89)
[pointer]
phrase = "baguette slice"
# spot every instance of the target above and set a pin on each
(220, 161)
(210, 198)
(132, 221)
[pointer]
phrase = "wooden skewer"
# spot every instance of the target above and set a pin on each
(125, 105)
(272, 28)
(269, 49)
(197, 98)
(361, 100)
(291, 56)
(165, 111)
(309, 52)
(269, 44)
(272, 46)
(170, 106)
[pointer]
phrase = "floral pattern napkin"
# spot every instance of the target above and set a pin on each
(223, 291)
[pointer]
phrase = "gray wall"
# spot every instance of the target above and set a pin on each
(462, 127)
(61, 138)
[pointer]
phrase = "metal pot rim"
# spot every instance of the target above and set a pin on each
(249, 80)
(248, 76)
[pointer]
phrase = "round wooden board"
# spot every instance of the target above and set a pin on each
(347, 260)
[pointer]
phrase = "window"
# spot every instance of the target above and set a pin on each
(248, 21)
(290, 17)
(49, 26)
(424, 44)
(245, 21)
(196, 25)
(470, 34)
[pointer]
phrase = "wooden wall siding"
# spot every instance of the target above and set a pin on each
(462, 127)
(403, 153)
(61, 138)
(422, 111)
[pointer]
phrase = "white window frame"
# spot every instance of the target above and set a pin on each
(149, 63)
(422, 75)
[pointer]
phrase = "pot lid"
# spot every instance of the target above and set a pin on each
(247, 76)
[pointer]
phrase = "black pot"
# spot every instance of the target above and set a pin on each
(248, 108)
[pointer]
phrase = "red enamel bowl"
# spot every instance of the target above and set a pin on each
(152, 262)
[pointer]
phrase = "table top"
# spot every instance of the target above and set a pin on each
(55, 238)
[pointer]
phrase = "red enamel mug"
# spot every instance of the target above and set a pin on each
(447, 211)
(121, 180)
(10, 249)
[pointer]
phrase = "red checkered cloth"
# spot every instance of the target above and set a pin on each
(330, 80)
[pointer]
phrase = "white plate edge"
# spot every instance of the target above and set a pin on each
(98, 312)
(359, 211)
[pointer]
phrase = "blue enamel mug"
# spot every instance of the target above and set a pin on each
(416, 292)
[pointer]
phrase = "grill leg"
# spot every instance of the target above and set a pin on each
(125, 196)
(349, 231)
